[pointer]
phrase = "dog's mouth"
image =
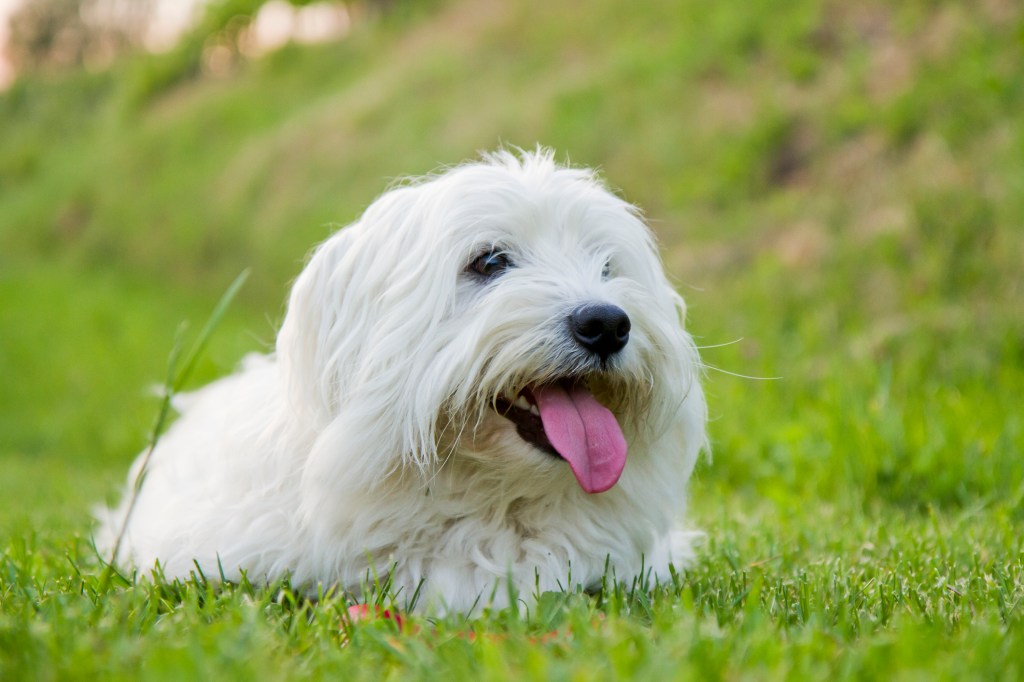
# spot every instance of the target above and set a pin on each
(566, 420)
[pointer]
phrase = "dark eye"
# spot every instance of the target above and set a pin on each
(491, 264)
(607, 270)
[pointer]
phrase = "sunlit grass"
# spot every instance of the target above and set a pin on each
(860, 596)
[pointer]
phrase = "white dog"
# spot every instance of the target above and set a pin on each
(484, 379)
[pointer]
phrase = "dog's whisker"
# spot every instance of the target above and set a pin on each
(735, 374)
(721, 345)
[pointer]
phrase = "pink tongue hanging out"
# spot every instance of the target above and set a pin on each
(584, 432)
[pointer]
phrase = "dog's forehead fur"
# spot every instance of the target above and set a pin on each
(540, 213)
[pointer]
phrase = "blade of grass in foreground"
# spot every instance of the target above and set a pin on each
(173, 383)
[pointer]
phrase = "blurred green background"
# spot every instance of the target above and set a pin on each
(838, 189)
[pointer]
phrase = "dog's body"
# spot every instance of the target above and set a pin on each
(455, 387)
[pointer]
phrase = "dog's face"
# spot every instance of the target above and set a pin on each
(510, 313)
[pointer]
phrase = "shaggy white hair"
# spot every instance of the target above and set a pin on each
(456, 386)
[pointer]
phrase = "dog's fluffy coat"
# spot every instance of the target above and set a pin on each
(372, 436)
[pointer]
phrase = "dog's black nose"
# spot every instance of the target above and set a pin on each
(601, 328)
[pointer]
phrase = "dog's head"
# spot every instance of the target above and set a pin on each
(509, 312)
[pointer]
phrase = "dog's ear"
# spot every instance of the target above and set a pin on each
(364, 321)
(313, 308)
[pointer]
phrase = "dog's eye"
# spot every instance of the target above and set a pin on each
(491, 264)
(606, 271)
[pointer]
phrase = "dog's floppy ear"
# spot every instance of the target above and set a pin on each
(364, 320)
(313, 309)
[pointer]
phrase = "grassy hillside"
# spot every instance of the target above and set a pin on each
(838, 189)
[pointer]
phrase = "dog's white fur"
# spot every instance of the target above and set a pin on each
(370, 439)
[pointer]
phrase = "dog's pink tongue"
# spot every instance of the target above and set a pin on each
(585, 433)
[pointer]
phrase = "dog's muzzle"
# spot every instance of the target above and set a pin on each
(563, 418)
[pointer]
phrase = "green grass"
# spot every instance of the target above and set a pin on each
(902, 597)
(838, 190)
